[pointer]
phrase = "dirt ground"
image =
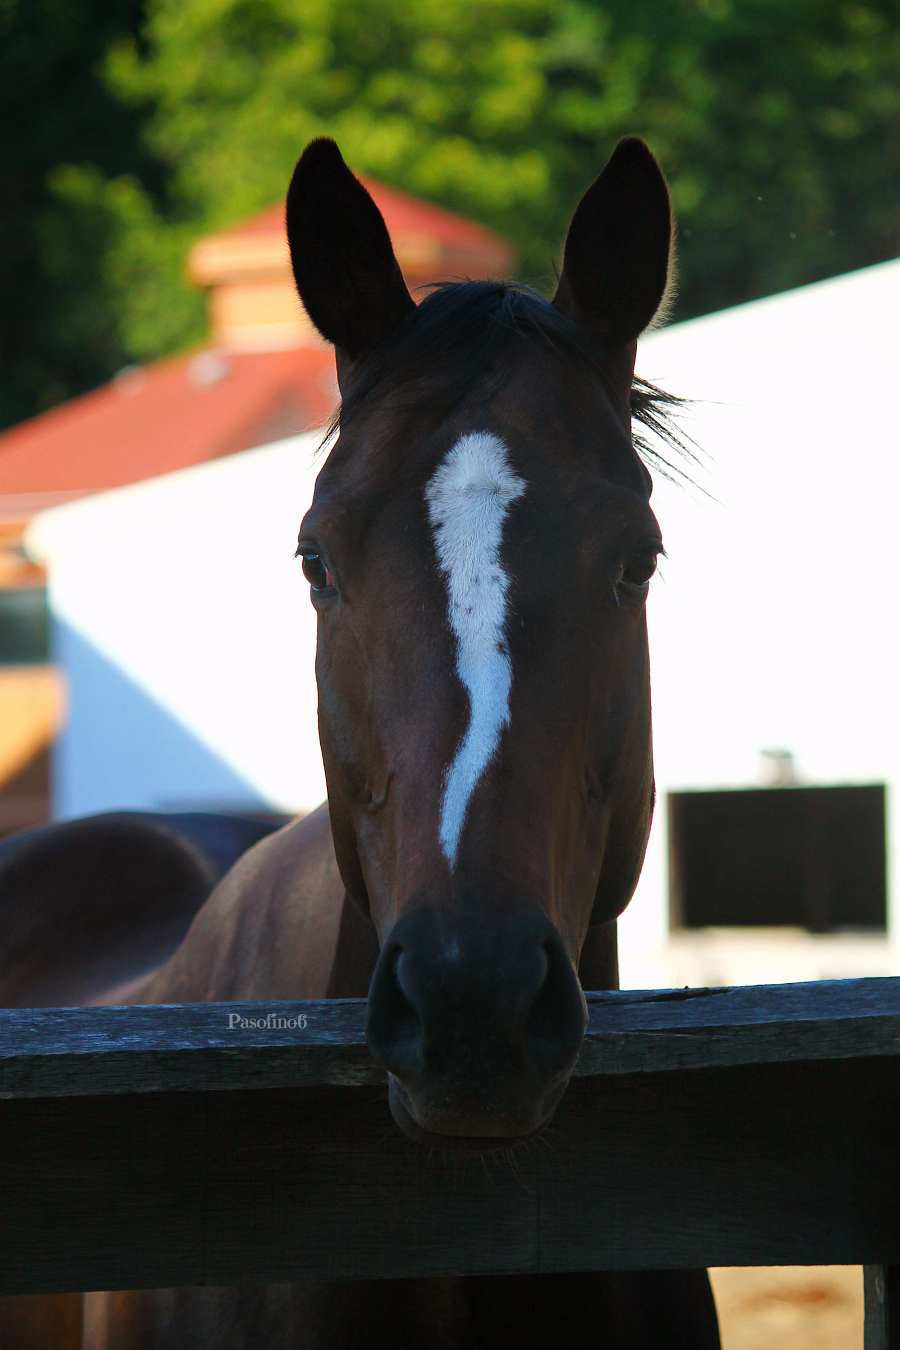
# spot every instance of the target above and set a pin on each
(790, 1307)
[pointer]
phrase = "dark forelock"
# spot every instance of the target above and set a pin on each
(461, 332)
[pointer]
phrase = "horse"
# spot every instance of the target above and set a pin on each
(478, 552)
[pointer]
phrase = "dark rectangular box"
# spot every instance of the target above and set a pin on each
(813, 857)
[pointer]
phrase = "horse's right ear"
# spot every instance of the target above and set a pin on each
(617, 260)
(341, 252)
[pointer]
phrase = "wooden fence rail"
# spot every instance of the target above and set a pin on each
(226, 1143)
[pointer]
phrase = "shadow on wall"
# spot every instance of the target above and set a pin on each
(121, 750)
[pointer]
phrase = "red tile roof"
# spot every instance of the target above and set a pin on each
(422, 234)
(405, 214)
(153, 419)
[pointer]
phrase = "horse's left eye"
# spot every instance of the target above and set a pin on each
(639, 571)
(316, 573)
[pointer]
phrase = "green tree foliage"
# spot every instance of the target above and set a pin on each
(778, 125)
(59, 323)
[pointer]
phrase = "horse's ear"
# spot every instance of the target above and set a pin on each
(617, 261)
(344, 265)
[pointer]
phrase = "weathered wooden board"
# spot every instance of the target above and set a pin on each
(882, 1292)
(755, 1165)
(110, 1178)
(192, 1047)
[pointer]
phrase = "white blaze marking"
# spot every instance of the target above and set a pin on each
(468, 498)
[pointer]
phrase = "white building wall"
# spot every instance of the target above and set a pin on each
(184, 625)
(774, 619)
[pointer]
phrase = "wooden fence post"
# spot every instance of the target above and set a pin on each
(882, 1292)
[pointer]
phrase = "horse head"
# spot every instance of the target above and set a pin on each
(479, 550)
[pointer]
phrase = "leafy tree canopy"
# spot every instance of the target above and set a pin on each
(778, 126)
(59, 324)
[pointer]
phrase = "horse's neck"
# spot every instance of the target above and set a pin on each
(598, 967)
(355, 955)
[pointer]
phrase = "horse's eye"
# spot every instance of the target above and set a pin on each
(316, 573)
(640, 569)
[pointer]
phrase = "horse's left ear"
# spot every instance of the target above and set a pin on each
(344, 264)
(617, 260)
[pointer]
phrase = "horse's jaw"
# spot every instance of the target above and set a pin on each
(462, 1143)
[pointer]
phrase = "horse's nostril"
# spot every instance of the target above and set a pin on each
(403, 986)
(393, 1025)
(554, 1027)
(478, 1029)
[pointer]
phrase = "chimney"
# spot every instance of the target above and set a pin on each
(253, 305)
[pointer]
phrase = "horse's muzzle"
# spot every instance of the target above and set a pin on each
(478, 1022)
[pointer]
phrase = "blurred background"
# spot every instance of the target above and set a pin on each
(162, 397)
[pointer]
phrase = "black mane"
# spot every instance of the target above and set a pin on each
(464, 328)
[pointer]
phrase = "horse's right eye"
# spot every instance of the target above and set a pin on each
(640, 569)
(316, 573)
